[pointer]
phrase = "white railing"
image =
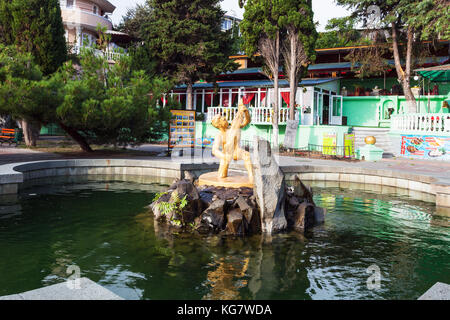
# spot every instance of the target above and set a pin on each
(110, 55)
(259, 115)
(436, 123)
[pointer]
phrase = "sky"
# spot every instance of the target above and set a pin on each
(323, 10)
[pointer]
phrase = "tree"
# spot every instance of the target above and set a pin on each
(261, 34)
(431, 17)
(409, 21)
(107, 104)
(340, 33)
(36, 27)
(135, 19)
(298, 47)
(186, 39)
(24, 93)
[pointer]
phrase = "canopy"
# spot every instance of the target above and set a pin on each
(436, 74)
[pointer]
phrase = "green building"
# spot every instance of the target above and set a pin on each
(332, 101)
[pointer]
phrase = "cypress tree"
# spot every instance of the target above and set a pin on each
(34, 27)
(37, 28)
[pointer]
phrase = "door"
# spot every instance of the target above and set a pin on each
(326, 109)
(318, 107)
(336, 110)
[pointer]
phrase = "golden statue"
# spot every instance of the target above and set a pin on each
(226, 147)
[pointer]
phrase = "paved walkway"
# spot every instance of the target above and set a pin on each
(11, 155)
(438, 169)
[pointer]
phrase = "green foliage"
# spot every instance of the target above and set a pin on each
(175, 207)
(425, 19)
(236, 39)
(298, 27)
(108, 103)
(185, 38)
(143, 59)
(431, 17)
(261, 19)
(35, 26)
(341, 32)
(24, 92)
(134, 20)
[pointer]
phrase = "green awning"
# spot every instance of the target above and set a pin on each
(436, 74)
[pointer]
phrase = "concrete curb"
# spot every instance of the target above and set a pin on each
(12, 175)
(440, 291)
(88, 290)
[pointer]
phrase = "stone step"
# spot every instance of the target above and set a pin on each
(87, 290)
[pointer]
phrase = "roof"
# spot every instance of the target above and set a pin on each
(116, 33)
(258, 83)
(105, 5)
(436, 74)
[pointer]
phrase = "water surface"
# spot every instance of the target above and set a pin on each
(105, 229)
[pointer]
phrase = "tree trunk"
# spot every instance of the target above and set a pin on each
(275, 86)
(190, 105)
(293, 77)
(403, 76)
(77, 137)
(31, 131)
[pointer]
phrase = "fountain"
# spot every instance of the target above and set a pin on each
(233, 203)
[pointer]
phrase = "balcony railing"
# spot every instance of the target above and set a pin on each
(109, 54)
(434, 123)
(78, 17)
(259, 115)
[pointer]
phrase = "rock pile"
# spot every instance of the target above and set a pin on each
(213, 210)
(269, 207)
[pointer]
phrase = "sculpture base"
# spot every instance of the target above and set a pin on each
(234, 180)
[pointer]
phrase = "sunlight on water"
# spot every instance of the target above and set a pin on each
(106, 230)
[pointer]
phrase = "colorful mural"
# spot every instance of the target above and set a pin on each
(426, 147)
(329, 143)
(182, 128)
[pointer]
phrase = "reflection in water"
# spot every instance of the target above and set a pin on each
(112, 237)
(226, 279)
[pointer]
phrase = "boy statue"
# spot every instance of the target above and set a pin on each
(229, 140)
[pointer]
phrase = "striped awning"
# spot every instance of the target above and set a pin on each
(436, 74)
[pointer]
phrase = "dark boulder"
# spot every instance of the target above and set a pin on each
(213, 218)
(250, 211)
(304, 217)
(236, 224)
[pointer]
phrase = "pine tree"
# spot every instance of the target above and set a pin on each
(186, 38)
(37, 27)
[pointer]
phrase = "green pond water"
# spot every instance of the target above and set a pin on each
(105, 229)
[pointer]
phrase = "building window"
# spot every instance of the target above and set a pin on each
(95, 10)
(69, 3)
(226, 24)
